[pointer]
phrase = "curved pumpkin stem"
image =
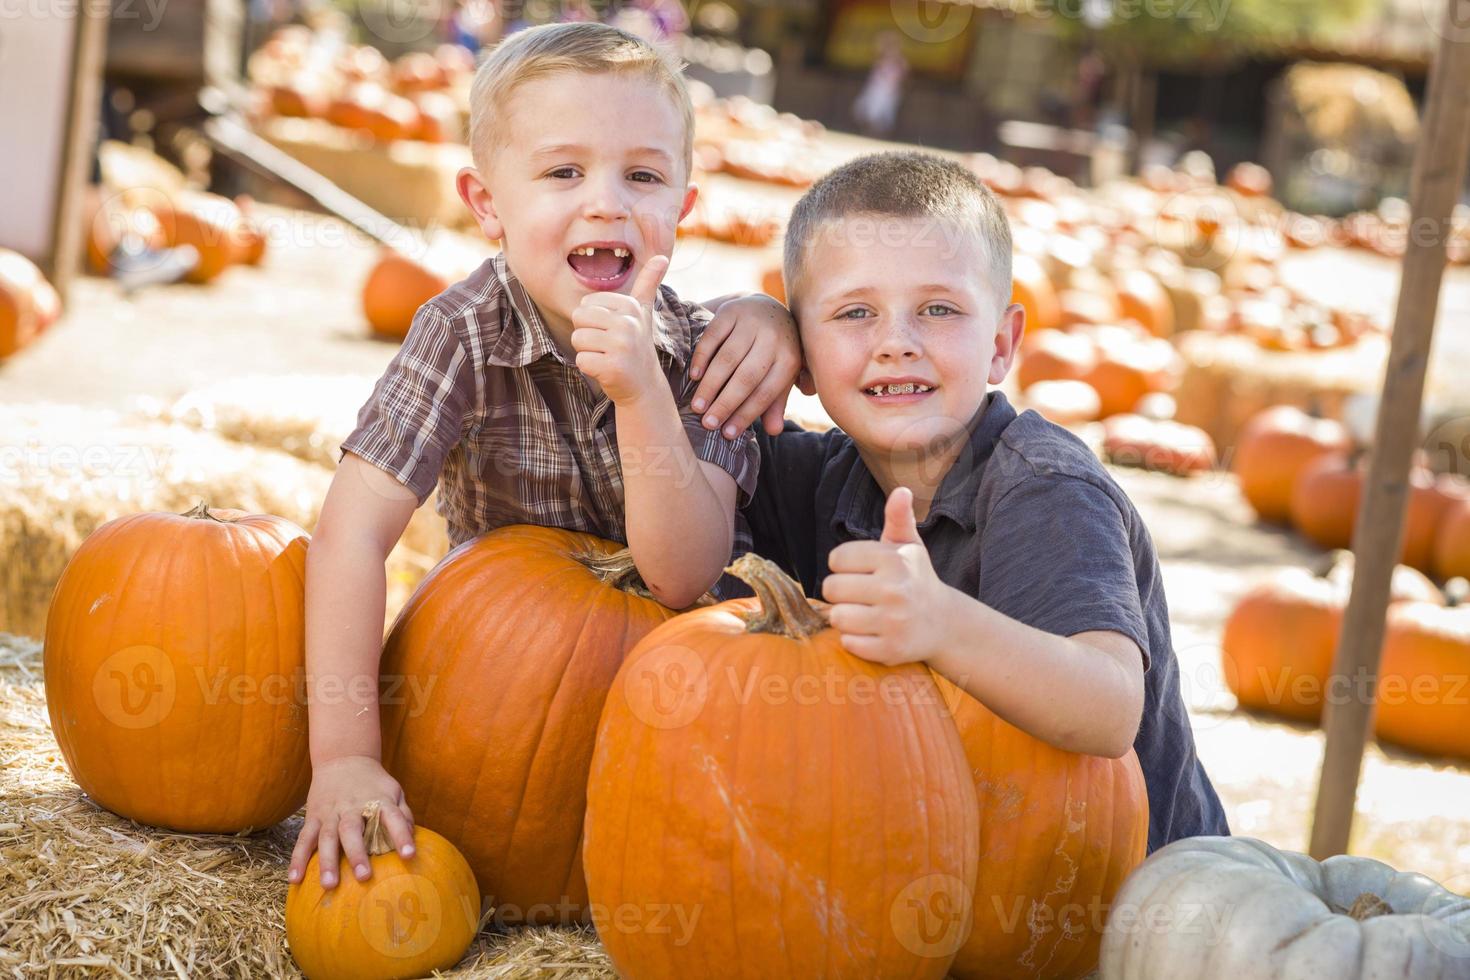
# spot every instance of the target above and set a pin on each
(200, 512)
(1367, 905)
(375, 835)
(618, 570)
(784, 609)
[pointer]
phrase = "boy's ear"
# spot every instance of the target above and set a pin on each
(1008, 333)
(690, 195)
(476, 196)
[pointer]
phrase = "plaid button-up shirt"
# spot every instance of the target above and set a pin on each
(480, 401)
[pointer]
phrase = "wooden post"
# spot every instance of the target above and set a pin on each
(1439, 175)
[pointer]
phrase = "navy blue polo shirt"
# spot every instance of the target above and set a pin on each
(1030, 523)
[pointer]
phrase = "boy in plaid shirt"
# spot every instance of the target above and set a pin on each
(552, 386)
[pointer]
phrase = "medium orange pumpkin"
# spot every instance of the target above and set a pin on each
(1032, 288)
(1423, 694)
(28, 303)
(211, 224)
(1452, 543)
(1128, 368)
(1054, 355)
(1143, 298)
(398, 285)
(1324, 506)
(1059, 833)
(1279, 641)
(1274, 445)
(410, 917)
(506, 653)
(174, 666)
(814, 809)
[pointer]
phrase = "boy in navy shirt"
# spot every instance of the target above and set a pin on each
(941, 525)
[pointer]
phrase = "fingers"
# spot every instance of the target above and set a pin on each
(400, 831)
(859, 556)
(742, 387)
(804, 382)
(767, 402)
(851, 587)
(327, 856)
(773, 419)
(709, 342)
(851, 619)
(349, 832)
(730, 356)
(592, 340)
(301, 853)
(866, 647)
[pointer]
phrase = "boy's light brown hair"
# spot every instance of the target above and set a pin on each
(589, 48)
(852, 202)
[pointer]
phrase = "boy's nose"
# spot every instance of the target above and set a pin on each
(606, 201)
(898, 339)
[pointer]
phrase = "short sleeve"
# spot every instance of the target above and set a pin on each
(782, 515)
(416, 413)
(1055, 555)
(740, 457)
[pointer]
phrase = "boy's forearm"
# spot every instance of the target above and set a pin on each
(346, 591)
(1057, 689)
(678, 530)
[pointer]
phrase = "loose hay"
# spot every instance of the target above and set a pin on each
(83, 891)
(65, 471)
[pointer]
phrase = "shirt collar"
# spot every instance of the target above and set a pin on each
(858, 509)
(524, 337)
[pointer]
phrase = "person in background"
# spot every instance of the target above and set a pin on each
(876, 107)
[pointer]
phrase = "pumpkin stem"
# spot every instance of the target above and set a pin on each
(375, 835)
(784, 609)
(1367, 905)
(200, 512)
(618, 570)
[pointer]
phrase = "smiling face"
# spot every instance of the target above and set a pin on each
(902, 331)
(587, 185)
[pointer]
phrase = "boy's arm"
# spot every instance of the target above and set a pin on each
(1082, 693)
(680, 510)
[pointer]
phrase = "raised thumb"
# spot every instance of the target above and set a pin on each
(899, 526)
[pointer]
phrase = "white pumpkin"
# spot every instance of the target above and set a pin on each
(1234, 908)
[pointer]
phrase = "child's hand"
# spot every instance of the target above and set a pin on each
(340, 789)
(746, 361)
(887, 603)
(614, 337)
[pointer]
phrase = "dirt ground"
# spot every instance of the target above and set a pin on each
(299, 313)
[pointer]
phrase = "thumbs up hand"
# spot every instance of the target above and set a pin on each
(613, 334)
(888, 605)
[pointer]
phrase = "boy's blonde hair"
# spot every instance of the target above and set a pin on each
(903, 185)
(592, 48)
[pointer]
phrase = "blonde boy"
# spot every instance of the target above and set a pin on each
(550, 387)
(943, 526)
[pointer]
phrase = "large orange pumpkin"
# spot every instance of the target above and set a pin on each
(1424, 684)
(174, 669)
(1059, 832)
(1273, 447)
(409, 917)
(814, 810)
(505, 655)
(1279, 640)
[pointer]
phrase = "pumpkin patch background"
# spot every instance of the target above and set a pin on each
(1217, 350)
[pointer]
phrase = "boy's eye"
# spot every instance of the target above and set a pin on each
(646, 177)
(563, 172)
(856, 313)
(939, 309)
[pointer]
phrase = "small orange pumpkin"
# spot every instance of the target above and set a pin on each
(1054, 355)
(1143, 298)
(1127, 369)
(28, 303)
(211, 224)
(1032, 288)
(399, 284)
(1274, 445)
(410, 917)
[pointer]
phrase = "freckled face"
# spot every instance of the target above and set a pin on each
(902, 331)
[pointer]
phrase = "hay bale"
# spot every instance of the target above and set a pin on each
(305, 415)
(73, 469)
(1228, 378)
(82, 889)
